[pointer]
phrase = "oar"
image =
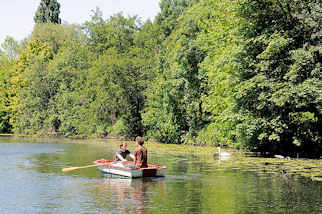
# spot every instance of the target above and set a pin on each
(80, 167)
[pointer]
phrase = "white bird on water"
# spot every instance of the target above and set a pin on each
(221, 155)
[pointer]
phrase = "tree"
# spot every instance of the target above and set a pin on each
(117, 32)
(29, 100)
(11, 48)
(171, 10)
(5, 73)
(69, 113)
(56, 35)
(46, 68)
(219, 34)
(124, 50)
(174, 112)
(9, 53)
(280, 94)
(48, 12)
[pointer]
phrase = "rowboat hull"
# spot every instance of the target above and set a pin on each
(109, 168)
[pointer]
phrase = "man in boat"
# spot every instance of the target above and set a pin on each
(140, 154)
(122, 153)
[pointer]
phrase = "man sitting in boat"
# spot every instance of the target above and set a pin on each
(140, 154)
(122, 153)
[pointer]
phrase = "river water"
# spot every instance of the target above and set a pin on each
(31, 181)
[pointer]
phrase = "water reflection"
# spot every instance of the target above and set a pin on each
(126, 195)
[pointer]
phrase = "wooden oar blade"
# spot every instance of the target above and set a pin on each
(69, 169)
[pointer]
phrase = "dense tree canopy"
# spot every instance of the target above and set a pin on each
(245, 73)
(174, 109)
(280, 91)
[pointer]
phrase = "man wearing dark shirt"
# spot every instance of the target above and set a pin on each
(122, 153)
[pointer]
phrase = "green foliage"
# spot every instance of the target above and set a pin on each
(69, 115)
(246, 73)
(220, 34)
(8, 54)
(32, 95)
(115, 33)
(174, 111)
(280, 94)
(55, 35)
(48, 12)
(38, 107)
(192, 101)
(6, 65)
(109, 87)
(118, 76)
(171, 10)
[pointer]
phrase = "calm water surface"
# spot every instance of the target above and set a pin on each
(31, 181)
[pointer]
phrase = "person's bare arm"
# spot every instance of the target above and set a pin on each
(132, 156)
(121, 158)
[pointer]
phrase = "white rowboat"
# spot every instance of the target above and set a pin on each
(110, 167)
